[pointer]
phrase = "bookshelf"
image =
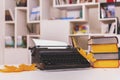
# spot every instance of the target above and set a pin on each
(91, 19)
(20, 30)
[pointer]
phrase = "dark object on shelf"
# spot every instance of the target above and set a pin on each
(21, 3)
(22, 41)
(8, 16)
(118, 26)
(47, 59)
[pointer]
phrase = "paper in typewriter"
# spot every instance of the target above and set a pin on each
(50, 43)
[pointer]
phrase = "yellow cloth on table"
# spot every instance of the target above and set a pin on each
(89, 56)
(20, 68)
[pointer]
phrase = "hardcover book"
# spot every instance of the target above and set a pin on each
(106, 56)
(104, 48)
(106, 64)
(103, 40)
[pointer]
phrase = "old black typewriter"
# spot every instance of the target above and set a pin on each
(58, 58)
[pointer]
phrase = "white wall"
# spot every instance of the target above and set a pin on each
(1, 30)
(55, 30)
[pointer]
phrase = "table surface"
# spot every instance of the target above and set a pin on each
(70, 74)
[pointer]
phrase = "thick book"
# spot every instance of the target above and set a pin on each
(106, 56)
(103, 40)
(104, 48)
(106, 64)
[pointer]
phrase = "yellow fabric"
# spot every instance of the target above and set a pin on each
(104, 48)
(20, 68)
(90, 57)
(106, 64)
(84, 54)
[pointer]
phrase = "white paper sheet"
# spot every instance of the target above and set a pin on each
(47, 43)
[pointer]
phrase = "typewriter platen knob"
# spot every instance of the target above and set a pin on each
(41, 66)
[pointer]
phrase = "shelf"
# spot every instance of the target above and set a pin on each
(71, 20)
(33, 22)
(91, 5)
(78, 34)
(33, 35)
(69, 6)
(107, 19)
(96, 34)
(78, 20)
(75, 6)
(9, 22)
(21, 8)
(115, 3)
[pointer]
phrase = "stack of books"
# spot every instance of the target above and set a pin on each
(105, 50)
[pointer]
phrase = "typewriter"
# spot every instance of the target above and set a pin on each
(58, 58)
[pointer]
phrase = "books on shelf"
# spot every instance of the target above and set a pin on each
(84, 1)
(33, 29)
(110, 1)
(107, 11)
(35, 14)
(62, 2)
(109, 28)
(103, 40)
(106, 1)
(101, 1)
(22, 41)
(9, 41)
(118, 26)
(68, 15)
(21, 3)
(76, 14)
(106, 56)
(9, 16)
